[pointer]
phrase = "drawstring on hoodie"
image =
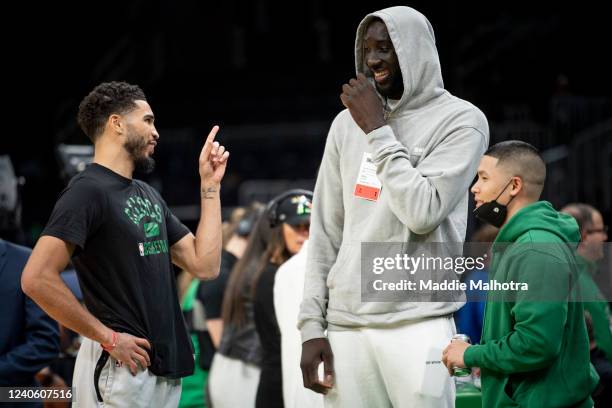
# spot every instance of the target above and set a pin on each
(387, 113)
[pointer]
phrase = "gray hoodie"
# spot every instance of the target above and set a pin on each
(426, 157)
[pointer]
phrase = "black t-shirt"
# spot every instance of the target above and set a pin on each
(210, 294)
(122, 231)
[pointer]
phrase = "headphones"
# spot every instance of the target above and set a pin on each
(272, 207)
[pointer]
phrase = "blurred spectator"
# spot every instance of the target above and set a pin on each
(48, 378)
(202, 303)
(29, 339)
(184, 279)
(229, 227)
(602, 396)
(289, 218)
(470, 317)
(236, 365)
(590, 251)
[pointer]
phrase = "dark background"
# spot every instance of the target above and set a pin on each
(270, 73)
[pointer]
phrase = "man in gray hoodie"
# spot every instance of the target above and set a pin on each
(397, 166)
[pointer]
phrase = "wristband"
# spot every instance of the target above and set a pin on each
(110, 347)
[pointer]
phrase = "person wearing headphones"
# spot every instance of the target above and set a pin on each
(289, 218)
(250, 343)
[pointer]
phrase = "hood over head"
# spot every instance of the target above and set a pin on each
(415, 45)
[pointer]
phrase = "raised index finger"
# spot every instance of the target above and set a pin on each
(209, 140)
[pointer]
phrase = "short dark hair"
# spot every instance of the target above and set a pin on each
(510, 149)
(106, 99)
(582, 213)
(524, 160)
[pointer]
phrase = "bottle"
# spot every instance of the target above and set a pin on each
(457, 371)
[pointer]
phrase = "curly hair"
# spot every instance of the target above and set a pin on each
(106, 99)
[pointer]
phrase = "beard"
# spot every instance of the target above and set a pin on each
(136, 147)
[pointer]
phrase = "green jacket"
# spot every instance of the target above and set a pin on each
(534, 349)
(596, 305)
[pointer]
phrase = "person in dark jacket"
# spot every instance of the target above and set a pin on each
(29, 339)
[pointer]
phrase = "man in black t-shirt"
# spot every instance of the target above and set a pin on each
(122, 240)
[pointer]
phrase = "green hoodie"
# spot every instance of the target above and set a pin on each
(534, 353)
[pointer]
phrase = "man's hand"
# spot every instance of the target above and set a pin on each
(362, 101)
(313, 352)
(213, 160)
(452, 356)
(132, 351)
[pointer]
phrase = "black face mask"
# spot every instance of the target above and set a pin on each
(493, 212)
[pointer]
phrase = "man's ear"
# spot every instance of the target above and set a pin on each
(517, 186)
(115, 122)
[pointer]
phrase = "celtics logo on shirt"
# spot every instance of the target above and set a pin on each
(148, 216)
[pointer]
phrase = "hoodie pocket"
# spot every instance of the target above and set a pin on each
(508, 394)
(524, 387)
(341, 260)
(344, 281)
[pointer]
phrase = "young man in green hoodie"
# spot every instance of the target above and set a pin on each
(534, 349)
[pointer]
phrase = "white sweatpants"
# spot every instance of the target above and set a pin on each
(118, 387)
(392, 367)
(232, 383)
